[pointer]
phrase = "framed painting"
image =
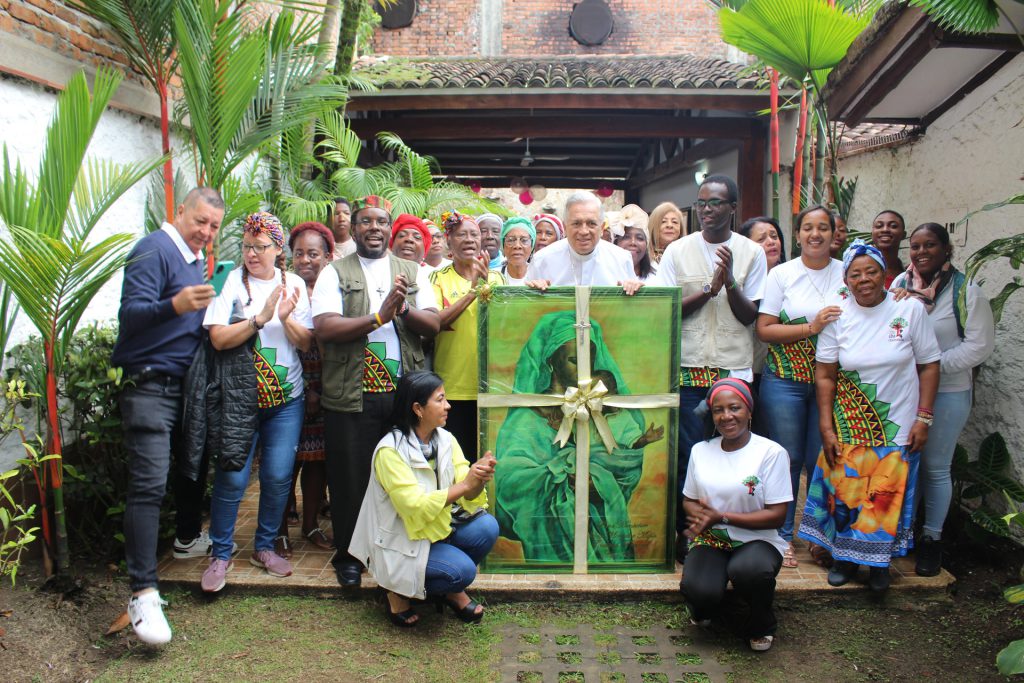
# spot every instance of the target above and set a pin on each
(579, 403)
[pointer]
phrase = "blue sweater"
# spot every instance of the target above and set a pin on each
(151, 334)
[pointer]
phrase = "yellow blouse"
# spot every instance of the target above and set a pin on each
(425, 514)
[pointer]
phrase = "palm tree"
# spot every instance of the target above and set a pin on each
(144, 29)
(49, 262)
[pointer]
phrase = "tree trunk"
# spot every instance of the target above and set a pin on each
(819, 161)
(798, 157)
(347, 37)
(55, 480)
(165, 146)
(773, 76)
(328, 39)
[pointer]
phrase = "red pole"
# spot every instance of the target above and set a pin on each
(798, 163)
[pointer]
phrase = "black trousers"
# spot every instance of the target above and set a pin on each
(752, 568)
(349, 442)
(151, 416)
(462, 425)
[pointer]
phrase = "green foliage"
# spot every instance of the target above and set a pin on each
(1010, 248)
(154, 217)
(15, 517)
(963, 16)
(974, 480)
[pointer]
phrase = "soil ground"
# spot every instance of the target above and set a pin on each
(51, 635)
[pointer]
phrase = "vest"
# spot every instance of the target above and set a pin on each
(712, 336)
(342, 374)
(379, 540)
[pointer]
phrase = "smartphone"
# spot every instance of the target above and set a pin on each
(220, 275)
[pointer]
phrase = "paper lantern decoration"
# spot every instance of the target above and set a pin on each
(526, 198)
(474, 186)
(538, 192)
(605, 190)
(518, 185)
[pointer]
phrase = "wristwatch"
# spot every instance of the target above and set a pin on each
(927, 420)
(725, 520)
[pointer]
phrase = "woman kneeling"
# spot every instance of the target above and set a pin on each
(422, 528)
(735, 496)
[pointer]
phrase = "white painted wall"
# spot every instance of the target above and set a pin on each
(969, 157)
(120, 137)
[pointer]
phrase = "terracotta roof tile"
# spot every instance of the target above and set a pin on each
(680, 73)
(868, 136)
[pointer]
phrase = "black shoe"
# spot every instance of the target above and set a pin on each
(842, 572)
(929, 557)
(682, 542)
(878, 579)
(349, 574)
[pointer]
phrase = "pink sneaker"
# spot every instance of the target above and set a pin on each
(215, 575)
(272, 562)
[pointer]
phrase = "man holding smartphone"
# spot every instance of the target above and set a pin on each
(163, 297)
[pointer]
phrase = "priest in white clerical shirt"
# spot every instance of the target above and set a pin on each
(583, 258)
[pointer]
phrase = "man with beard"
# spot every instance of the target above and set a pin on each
(370, 311)
(722, 275)
(490, 234)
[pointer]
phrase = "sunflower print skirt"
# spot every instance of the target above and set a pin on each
(862, 510)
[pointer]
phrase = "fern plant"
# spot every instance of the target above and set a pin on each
(974, 480)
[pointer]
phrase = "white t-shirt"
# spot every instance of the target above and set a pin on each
(383, 341)
(343, 249)
(878, 350)
(745, 480)
(606, 266)
(753, 285)
(794, 294)
(960, 356)
(278, 368)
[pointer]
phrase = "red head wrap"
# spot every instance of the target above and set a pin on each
(406, 221)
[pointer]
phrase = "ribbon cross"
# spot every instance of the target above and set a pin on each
(580, 404)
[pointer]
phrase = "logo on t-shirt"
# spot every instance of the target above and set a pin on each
(751, 483)
(897, 325)
(843, 292)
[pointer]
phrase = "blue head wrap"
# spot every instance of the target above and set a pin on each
(861, 248)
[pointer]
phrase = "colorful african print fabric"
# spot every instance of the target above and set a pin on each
(272, 386)
(380, 373)
(862, 509)
(793, 361)
(700, 377)
(311, 440)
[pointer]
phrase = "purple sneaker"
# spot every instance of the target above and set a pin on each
(272, 562)
(215, 575)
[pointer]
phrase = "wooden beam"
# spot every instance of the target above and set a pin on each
(575, 127)
(752, 171)
(567, 182)
(1002, 42)
(477, 99)
(702, 150)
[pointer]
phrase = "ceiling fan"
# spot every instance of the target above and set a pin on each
(527, 159)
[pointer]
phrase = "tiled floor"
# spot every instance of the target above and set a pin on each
(313, 571)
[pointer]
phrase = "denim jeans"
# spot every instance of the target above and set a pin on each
(151, 415)
(451, 565)
(691, 431)
(951, 412)
(278, 434)
(791, 409)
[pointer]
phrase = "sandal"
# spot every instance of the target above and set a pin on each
(821, 556)
(406, 619)
(321, 540)
(283, 547)
(762, 644)
(467, 614)
(788, 558)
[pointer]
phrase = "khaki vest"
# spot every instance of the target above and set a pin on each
(342, 373)
(713, 337)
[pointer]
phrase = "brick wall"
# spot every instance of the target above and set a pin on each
(541, 27)
(68, 32)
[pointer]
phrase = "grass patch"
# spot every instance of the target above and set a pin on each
(611, 658)
(648, 658)
(643, 640)
(570, 657)
(688, 659)
(571, 677)
(528, 657)
(567, 640)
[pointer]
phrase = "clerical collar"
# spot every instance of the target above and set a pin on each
(582, 257)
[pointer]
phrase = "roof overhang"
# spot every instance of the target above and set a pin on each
(905, 69)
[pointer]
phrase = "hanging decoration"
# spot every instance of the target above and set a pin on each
(474, 186)
(526, 198)
(605, 190)
(518, 185)
(538, 192)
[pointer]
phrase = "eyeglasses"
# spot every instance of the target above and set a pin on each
(512, 241)
(366, 222)
(256, 248)
(713, 203)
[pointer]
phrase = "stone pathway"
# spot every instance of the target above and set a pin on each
(313, 571)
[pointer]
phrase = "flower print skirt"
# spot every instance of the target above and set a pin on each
(862, 509)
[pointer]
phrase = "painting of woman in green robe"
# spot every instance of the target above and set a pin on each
(535, 481)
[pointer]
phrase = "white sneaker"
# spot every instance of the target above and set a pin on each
(147, 616)
(199, 546)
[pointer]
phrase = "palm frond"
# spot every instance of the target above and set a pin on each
(100, 184)
(963, 16)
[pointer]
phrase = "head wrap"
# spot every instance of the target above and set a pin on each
(370, 202)
(630, 216)
(453, 219)
(553, 220)
(522, 224)
(318, 228)
(489, 217)
(432, 227)
(265, 223)
(405, 221)
(733, 384)
(861, 248)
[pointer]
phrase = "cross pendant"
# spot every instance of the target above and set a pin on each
(380, 291)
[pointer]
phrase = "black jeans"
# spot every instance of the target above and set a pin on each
(349, 442)
(462, 425)
(752, 568)
(151, 415)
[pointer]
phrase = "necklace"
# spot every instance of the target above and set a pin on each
(577, 275)
(379, 286)
(828, 277)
